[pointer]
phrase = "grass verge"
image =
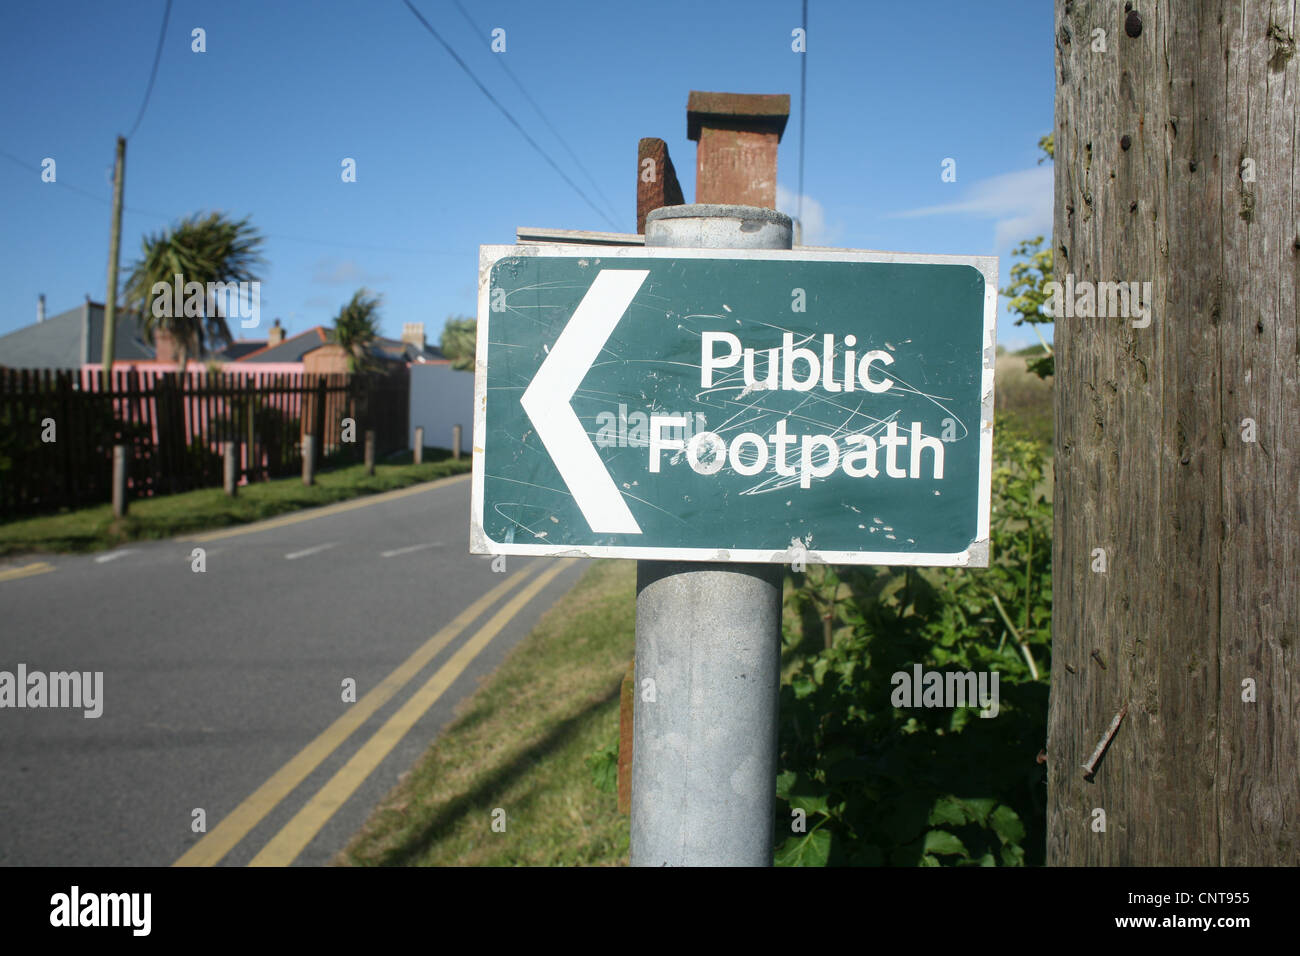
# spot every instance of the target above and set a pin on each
(94, 529)
(1024, 398)
(521, 744)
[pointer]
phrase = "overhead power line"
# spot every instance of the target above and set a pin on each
(506, 113)
(153, 73)
(555, 132)
(58, 182)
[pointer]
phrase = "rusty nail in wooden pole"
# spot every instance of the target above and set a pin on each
(1091, 765)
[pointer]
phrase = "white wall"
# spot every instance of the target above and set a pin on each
(440, 398)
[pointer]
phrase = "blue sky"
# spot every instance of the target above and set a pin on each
(259, 124)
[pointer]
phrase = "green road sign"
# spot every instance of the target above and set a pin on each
(734, 405)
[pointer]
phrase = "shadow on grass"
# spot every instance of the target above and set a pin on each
(416, 845)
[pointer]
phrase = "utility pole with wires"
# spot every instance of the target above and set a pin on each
(119, 177)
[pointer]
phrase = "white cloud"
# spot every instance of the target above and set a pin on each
(816, 230)
(1020, 202)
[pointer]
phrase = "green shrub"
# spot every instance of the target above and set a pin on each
(884, 785)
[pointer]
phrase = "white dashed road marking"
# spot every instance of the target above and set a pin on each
(306, 551)
(113, 555)
(415, 547)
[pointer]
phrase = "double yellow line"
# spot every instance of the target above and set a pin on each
(286, 845)
(26, 571)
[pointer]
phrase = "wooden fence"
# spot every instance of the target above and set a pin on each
(58, 429)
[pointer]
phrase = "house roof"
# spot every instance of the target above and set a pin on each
(392, 350)
(239, 349)
(72, 338)
(291, 349)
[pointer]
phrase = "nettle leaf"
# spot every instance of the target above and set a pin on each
(979, 808)
(1006, 824)
(943, 843)
(603, 765)
(808, 803)
(784, 781)
(812, 849)
(947, 811)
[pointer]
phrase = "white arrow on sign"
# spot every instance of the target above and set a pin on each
(547, 400)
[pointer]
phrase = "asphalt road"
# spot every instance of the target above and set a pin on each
(223, 690)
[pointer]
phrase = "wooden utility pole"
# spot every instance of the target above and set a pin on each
(114, 242)
(1177, 493)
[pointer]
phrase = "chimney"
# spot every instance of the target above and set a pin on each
(656, 180)
(413, 334)
(164, 346)
(737, 134)
(274, 335)
(40, 307)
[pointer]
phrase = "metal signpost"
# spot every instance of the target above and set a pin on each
(717, 404)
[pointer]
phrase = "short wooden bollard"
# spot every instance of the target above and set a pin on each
(419, 445)
(370, 451)
(309, 459)
(230, 474)
(455, 442)
(119, 481)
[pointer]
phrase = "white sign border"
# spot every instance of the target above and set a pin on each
(974, 555)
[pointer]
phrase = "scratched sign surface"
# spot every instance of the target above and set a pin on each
(727, 405)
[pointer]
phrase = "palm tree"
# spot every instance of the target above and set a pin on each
(203, 249)
(458, 341)
(356, 326)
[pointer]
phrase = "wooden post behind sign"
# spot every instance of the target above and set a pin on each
(119, 481)
(309, 459)
(230, 468)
